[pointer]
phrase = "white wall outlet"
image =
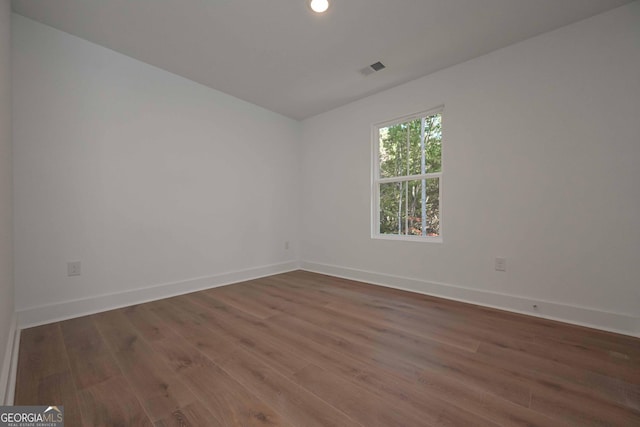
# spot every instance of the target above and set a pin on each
(286, 245)
(501, 263)
(73, 268)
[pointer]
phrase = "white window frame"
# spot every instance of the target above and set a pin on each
(376, 181)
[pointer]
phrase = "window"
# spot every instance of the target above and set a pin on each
(407, 178)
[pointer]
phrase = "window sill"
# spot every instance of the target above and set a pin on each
(397, 237)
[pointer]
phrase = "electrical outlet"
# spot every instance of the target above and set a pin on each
(73, 268)
(286, 245)
(501, 264)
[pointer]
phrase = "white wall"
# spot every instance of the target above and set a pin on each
(6, 208)
(541, 165)
(145, 177)
(129, 169)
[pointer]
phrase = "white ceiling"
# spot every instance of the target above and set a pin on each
(281, 56)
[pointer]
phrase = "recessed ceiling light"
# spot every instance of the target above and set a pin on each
(319, 6)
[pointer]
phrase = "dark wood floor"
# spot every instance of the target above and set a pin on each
(302, 350)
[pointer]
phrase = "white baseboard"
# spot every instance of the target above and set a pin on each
(584, 316)
(69, 309)
(9, 364)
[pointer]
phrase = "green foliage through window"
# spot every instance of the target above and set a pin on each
(408, 177)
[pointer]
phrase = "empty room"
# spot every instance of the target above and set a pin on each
(306, 213)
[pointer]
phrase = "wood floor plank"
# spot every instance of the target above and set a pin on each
(386, 330)
(145, 322)
(450, 402)
(91, 363)
(112, 403)
(295, 403)
(614, 345)
(253, 307)
(439, 358)
(482, 403)
(582, 410)
(159, 390)
(192, 415)
(358, 403)
(463, 324)
(231, 403)
(181, 355)
(480, 319)
(393, 388)
(44, 365)
(374, 308)
(280, 287)
(502, 383)
(510, 321)
(300, 346)
(303, 349)
(613, 388)
(177, 352)
(548, 373)
(59, 390)
(42, 354)
(617, 365)
(215, 344)
(216, 315)
(383, 319)
(222, 400)
(632, 394)
(278, 354)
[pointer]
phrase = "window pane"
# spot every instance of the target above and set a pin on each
(400, 208)
(393, 150)
(401, 153)
(432, 207)
(433, 143)
(408, 208)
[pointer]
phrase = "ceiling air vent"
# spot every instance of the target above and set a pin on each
(372, 68)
